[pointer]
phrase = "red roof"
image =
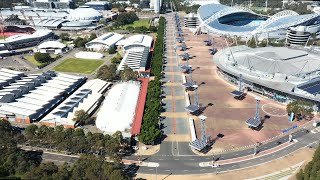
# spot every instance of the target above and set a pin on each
(140, 107)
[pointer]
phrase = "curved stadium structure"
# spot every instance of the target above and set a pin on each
(280, 73)
(239, 21)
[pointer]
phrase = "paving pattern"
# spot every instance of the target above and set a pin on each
(227, 115)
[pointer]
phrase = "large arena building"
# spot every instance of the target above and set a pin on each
(242, 22)
(65, 19)
(280, 73)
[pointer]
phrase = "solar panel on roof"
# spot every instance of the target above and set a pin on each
(198, 144)
(237, 93)
(252, 122)
(192, 108)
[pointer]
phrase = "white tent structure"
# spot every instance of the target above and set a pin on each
(118, 109)
(88, 55)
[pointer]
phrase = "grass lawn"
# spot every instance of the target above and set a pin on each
(83, 66)
(2, 37)
(32, 60)
(141, 22)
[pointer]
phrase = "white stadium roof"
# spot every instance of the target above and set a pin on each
(37, 34)
(105, 41)
(84, 14)
(118, 109)
(51, 44)
(138, 40)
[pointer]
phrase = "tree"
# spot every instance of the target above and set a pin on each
(125, 18)
(130, 28)
(301, 108)
(42, 57)
(30, 131)
(128, 74)
(64, 36)
(92, 37)
(80, 42)
(107, 72)
(111, 50)
(81, 117)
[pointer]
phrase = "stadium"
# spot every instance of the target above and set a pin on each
(242, 22)
(279, 73)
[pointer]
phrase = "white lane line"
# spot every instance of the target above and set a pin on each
(185, 170)
(261, 159)
(176, 159)
(233, 165)
(167, 170)
(150, 169)
(191, 159)
(160, 159)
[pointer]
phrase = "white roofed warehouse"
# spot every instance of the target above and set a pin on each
(137, 50)
(86, 98)
(118, 108)
(104, 42)
(26, 99)
(138, 42)
(53, 47)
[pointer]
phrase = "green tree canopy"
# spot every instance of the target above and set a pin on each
(42, 57)
(107, 72)
(127, 74)
(301, 108)
(81, 117)
(64, 36)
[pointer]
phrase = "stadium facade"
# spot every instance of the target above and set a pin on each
(64, 19)
(279, 73)
(242, 22)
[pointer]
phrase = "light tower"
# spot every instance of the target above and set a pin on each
(257, 114)
(203, 128)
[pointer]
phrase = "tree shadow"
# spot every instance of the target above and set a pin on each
(195, 68)
(203, 108)
(131, 170)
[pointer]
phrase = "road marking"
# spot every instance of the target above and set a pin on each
(202, 169)
(191, 159)
(207, 158)
(150, 169)
(167, 170)
(176, 159)
(234, 165)
(185, 170)
(160, 159)
(261, 159)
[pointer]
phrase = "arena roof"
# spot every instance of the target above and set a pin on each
(84, 14)
(51, 44)
(210, 16)
(279, 68)
(118, 109)
(138, 40)
(105, 40)
(39, 33)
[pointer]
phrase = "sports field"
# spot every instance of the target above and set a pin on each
(141, 22)
(75, 65)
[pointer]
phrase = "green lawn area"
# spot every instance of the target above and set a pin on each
(33, 61)
(83, 66)
(2, 37)
(141, 22)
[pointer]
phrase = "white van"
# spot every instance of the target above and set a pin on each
(316, 123)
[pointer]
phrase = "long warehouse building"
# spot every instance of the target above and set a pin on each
(87, 98)
(27, 99)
